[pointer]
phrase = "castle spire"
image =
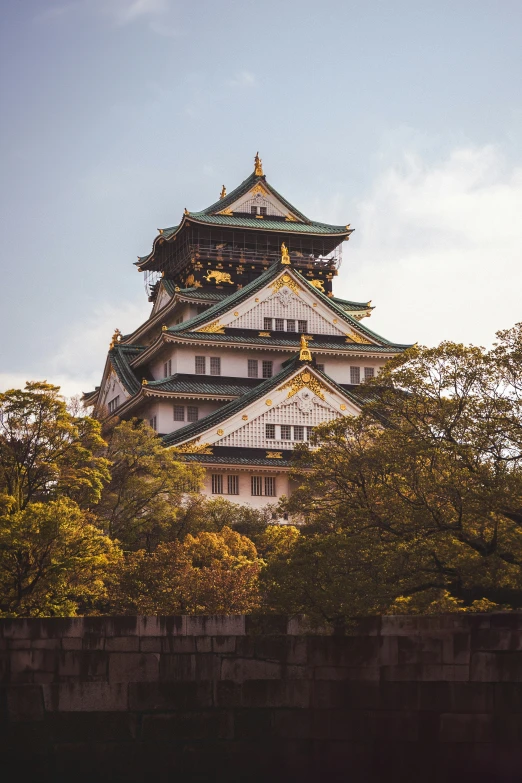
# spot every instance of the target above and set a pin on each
(223, 192)
(258, 169)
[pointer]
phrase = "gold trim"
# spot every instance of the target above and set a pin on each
(353, 337)
(264, 334)
(219, 277)
(223, 192)
(319, 284)
(285, 256)
(259, 189)
(214, 328)
(220, 432)
(245, 417)
(291, 219)
(226, 211)
(305, 355)
(268, 402)
(274, 455)
(192, 447)
(258, 166)
(285, 279)
(305, 378)
(236, 314)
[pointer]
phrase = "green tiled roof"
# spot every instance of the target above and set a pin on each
(292, 342)
(233, 459)
(347, 305)
(196, 384)
(284, 226)
(193, 292)
(120, 356)
(223, 413)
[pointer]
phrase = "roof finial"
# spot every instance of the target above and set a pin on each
(305, 354)
(116, 338)
(223, 192)
(285, 257)
(258, 170)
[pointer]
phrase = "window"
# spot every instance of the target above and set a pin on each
(233, 485)
(167, 369)
(262, 210)
(179, 320)
(369, 372)
(179, 413)
(192, 413)
(114, 403)
(290, 325)
(298, 433)
(267, 369)
(217, 484)
(320, 367)
(267, 324)
(355, 374)
(253, 210)
(270, 431)
(286, 432)
(152, 423)
(309, 433)
(215, 365)
(302, 326)
(270, 486)
(257, 485)
(200, 365)
(280, 324)
(252, 368)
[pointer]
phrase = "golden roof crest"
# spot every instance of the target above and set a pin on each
(258, 170)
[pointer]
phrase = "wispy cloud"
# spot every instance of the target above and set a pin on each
(243, 79)
(126, 11)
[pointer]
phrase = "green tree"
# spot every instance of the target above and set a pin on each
(210, 573)
(53, 561)
(45, 452)
(141, 503)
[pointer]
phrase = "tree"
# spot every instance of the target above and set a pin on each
(142, 501)
(211, 573)
(45, 452)
(425, 487)
(53, 561)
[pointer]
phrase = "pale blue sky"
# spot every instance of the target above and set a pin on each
(402, 118)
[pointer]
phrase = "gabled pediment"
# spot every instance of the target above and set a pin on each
(301, 399)
(261, 202)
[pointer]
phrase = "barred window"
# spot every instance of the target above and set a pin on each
(286, 432)
(189, 485)
(302, 326)
(252, 368)
(267, 324)
(253, 210)
(179, 413)
(262, 210)
(215, 365)
(152, 423)
(233, 485)
(369, 372)
(217, 484)
(270, 486)
(290, 325)
(298, 433)
(355, 375)
(267, 369)
(201, 368)
(309, 433)
(167, 368)
(114, 403)
(257, 485)
(192, 413)
(320, 367)
(270, 431)
(280, 324)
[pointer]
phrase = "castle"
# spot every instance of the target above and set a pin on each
(246, 348)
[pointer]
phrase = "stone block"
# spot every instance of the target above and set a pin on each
(276, 693)
(123, 644)
(177, 667)
(507, 697)
(215, 625)
(407, 672)
(96, 727)
(72, 643)
(224, 644)
(207, 666)
(266, 624)
(253, 724)
(241, 669)
(133, 667)
(203, 644)
(418, 649)
(341, 673)
(293, 724)
(160, 697)
(300, 625)
(94, 641)
(496, 639)
(85, 697)
(193, 725)
(34, 660)
(228, 693)
(466, 727)
(496, 667)
(394, 696)
(503, 620)
(24, 703)
(399, 625)
(178, 644)
(348, 651)
(456, 648)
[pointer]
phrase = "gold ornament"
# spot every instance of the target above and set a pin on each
(305, 355)
(214, 328)
(342, 406)
(318, 284)
(193, 447)
(259, 189)
(305, 378)
(268, 402)
(291, 219)
(353, 337)
(189, 282)
(223, 192)
(264, 334)
(245, 417)
(236, 314)
(220, 432)
(116, 338)
(164, 327)
(285, 257)
(258, 170)
(226, 211)
(285, 280)
(274, 455)
(219, 277)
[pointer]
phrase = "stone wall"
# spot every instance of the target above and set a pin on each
(262, 699)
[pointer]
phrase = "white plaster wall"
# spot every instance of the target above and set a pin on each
(164, 411)
(338, 367)
(245, 496)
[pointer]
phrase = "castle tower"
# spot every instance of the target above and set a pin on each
(246, 348)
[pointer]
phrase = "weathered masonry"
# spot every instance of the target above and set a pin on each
(432, 699)
(246, 348)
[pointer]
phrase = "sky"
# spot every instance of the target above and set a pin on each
(402, 118)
